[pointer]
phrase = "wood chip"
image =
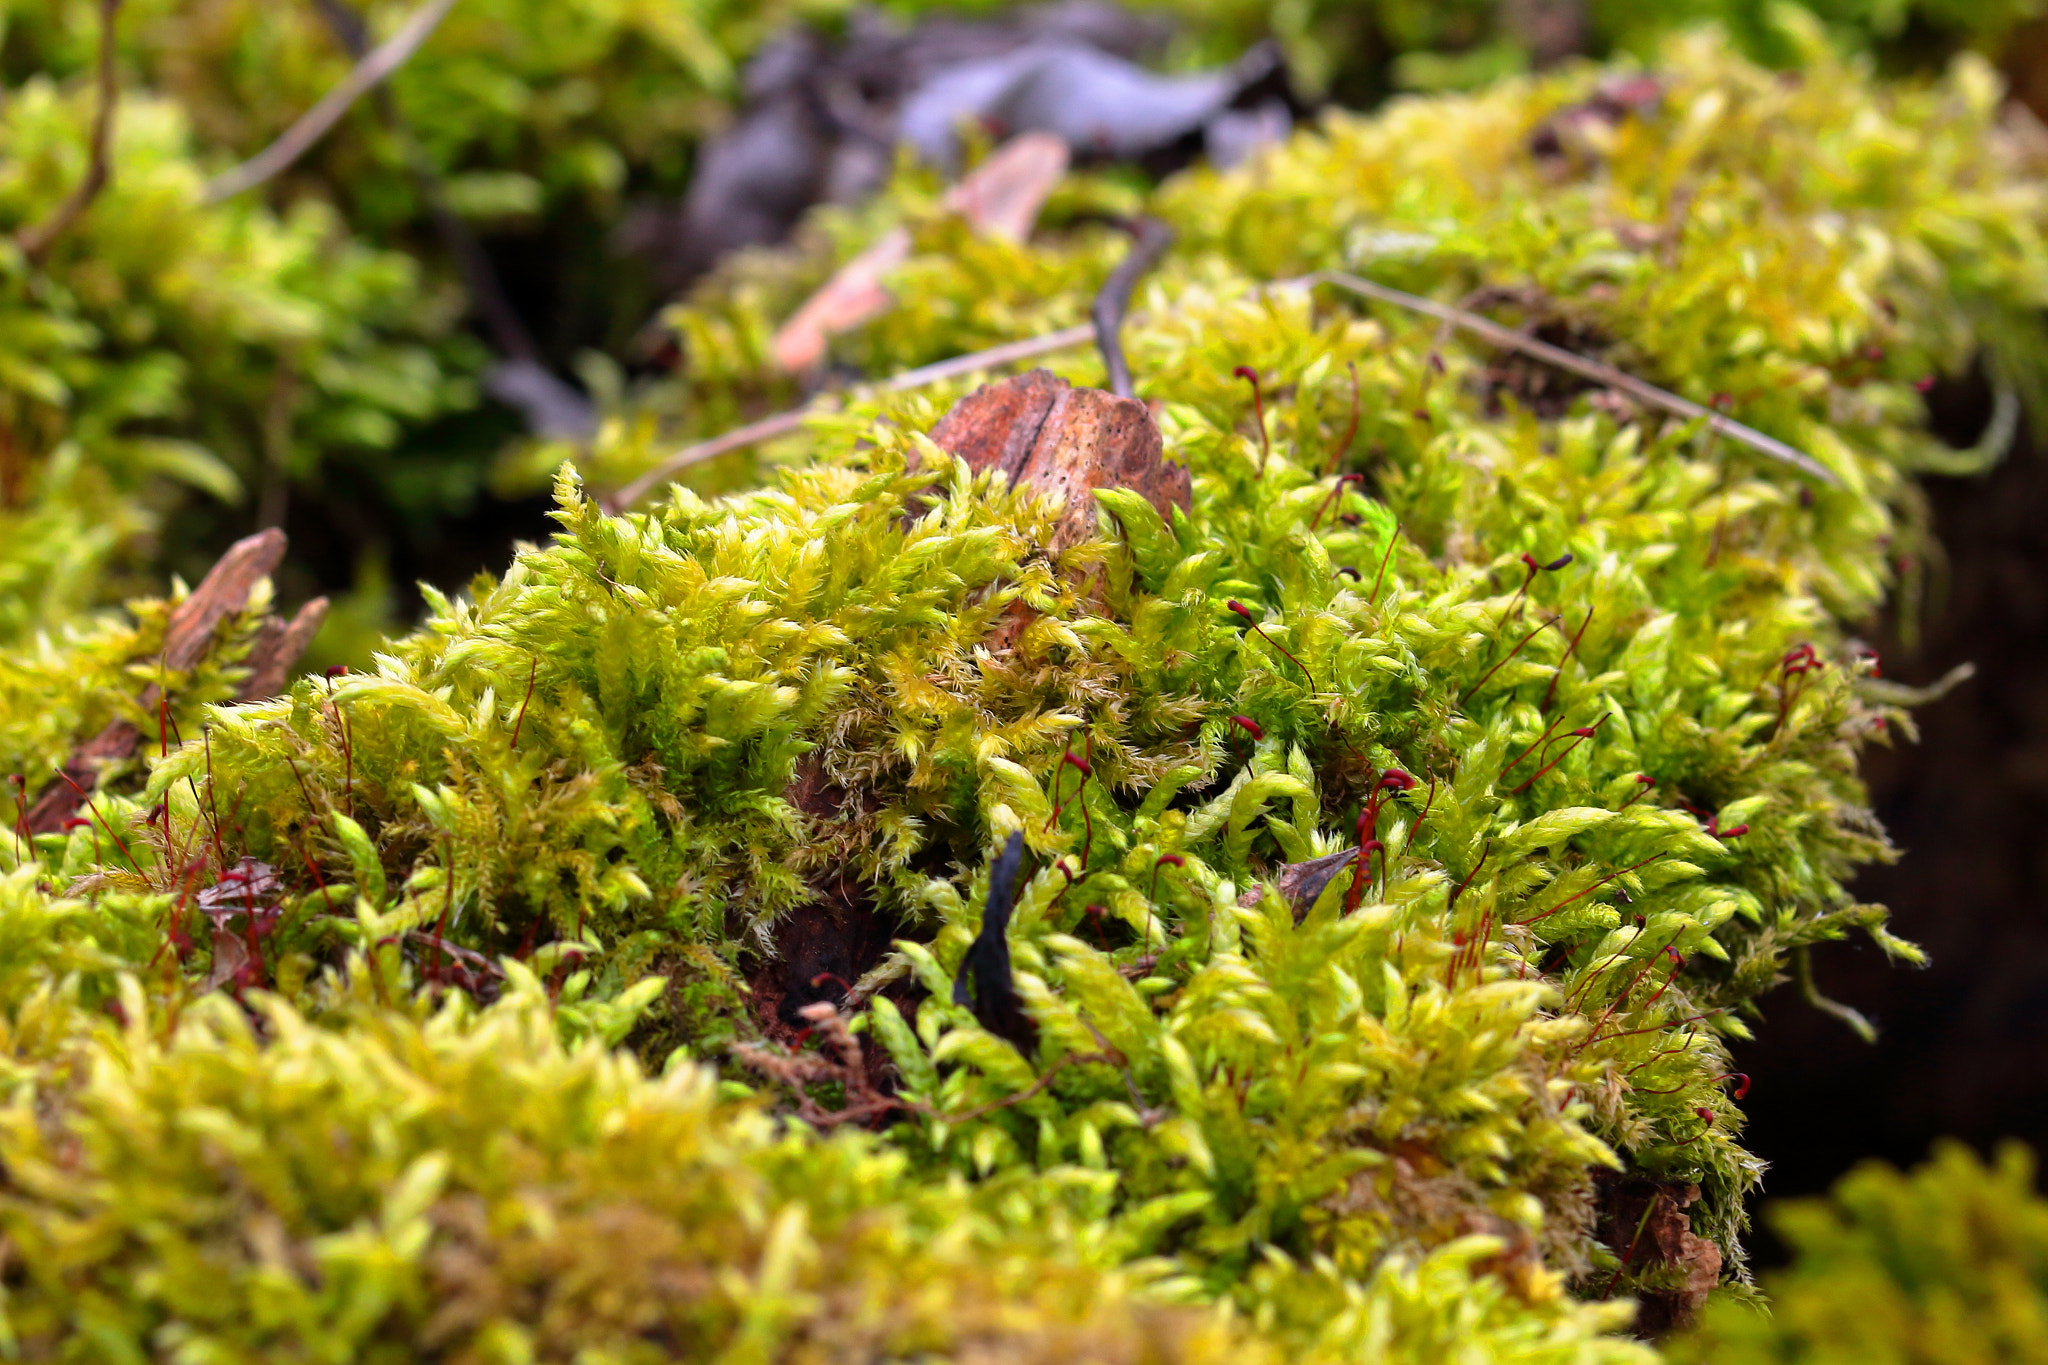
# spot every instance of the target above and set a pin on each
(278, 649)
(1302, 884)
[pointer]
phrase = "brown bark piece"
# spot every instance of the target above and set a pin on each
(224, 591)
(1647, 1225)
(277, 649)
(1065, 442)
(1696, 1258)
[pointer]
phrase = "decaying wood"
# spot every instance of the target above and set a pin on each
(1066, 442)
(223, 592)
(1674, 1266)
(278, 648)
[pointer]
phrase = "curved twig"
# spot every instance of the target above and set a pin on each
(313, 125)
(1598, 371)
(36, 241)
(1149, 240)
(1029, 348)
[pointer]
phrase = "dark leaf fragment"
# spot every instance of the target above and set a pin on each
(995, 1001)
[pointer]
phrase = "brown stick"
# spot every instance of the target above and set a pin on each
(312, 125)
(36, 241)
(1598, 371)
(223, 591)
(1149, 240)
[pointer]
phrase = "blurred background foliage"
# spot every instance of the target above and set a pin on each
(308, 354)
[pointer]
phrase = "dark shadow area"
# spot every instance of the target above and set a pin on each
(1963, 1050)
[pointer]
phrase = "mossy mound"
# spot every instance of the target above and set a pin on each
(1555, 688)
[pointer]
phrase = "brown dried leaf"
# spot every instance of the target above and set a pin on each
(1001, 198)
(1065, 442)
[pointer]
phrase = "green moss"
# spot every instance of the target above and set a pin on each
(647, 748)
(1948, 1262)
(460, 1185)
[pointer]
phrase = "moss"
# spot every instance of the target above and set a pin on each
(172, 358)
(1573, 679)
(248, 1184)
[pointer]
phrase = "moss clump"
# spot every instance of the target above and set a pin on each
(1568, 680)
(239, 1182)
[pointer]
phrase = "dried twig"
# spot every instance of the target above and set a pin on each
(313, 125)
(1598, 371)
(36, 241)
(1150, 239)
(837, 1061)
(782, 423)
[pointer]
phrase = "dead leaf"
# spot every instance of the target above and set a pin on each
(1000, 199)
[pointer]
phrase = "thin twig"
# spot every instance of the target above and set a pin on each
(782, 423)
(37, 240)
(1598, 371)
(314, 124)
(1149, 240)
